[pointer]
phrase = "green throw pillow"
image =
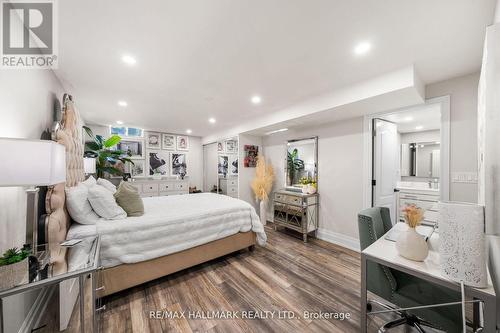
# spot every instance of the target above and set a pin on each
(129, 199)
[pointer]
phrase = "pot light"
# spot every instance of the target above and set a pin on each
(119, 122)
(211, 120)
(256, 99)
(129, 60)
(419, 127)
(188, 131)
(362, 48)
(277, 131)
(408, 118)
(122, 103)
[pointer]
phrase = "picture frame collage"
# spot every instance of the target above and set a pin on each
(227, 157)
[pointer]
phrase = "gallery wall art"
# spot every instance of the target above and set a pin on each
(251, 153)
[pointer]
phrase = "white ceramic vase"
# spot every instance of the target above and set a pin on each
(411, 245)
(263, 211)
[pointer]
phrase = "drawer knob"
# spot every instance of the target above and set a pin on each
(102, 308)
(100, 288)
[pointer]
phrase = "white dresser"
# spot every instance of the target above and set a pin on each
(149, 187)
(229, 186)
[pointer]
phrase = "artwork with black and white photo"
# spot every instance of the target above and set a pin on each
(168, 141)
(221, 147)
(134, 147)
(223, 164)
(182, 142)
(157, 164)
(231, 146)
(153, 140)
(137, 169)
(233, 164)
(178, 164)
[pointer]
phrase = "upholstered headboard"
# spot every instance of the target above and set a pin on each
(67, 132)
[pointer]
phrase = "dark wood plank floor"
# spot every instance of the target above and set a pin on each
(286, 275)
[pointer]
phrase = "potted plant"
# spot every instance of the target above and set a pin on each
(108, 160)
(262, 185)
(294, 165)
(14, 268)
(410, 244)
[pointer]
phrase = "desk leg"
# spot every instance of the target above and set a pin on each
(1, 315)
(490, 314)
(363, 294)
(82, 303)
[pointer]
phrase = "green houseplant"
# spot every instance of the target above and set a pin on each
(14, 267)
(294, 165)
(107, 158)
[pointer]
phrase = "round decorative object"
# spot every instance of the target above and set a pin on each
(411, 245)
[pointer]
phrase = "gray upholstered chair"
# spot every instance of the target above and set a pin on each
(404, 290)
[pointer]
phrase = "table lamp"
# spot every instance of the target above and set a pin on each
(31, 163)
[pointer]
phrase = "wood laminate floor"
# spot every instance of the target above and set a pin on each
(286, 275)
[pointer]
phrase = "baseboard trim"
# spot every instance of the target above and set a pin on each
(37, 310)
(342, 240)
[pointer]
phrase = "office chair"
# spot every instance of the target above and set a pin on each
(404, 290)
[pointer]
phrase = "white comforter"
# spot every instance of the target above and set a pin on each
(175, 223)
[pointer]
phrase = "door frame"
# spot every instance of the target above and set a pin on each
(444, 189)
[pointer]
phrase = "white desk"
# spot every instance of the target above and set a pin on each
(384, 252)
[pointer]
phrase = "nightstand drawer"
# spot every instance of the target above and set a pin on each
(280, 197)
(294, 200)
(150, 188)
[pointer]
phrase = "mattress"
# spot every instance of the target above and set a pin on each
(175, 223)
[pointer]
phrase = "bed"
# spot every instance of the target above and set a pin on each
(175, 233)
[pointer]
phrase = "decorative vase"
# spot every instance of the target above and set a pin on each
(411, 245)
(263, 212)
(14, 274)
(304, 189)
(311, 189)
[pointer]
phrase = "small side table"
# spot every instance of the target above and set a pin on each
(81, 261)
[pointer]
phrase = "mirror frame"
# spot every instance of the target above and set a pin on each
(287, 143)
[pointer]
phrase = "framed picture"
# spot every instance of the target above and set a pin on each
(158, 164)
(182, 142)
(135, 132)
(221, 147)
(222, 166)
(153, 140)
(137, 169)
(178, 164)
(135, 147)
(168, 141)
(251, 153)
(233, 164)
(231, 146)
(118, 130)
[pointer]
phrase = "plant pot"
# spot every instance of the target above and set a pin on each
(411, 245)
(263, 211)
(14, 274)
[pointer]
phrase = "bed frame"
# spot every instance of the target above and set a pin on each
(57, 222)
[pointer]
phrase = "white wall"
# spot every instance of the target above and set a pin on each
(497, 12)
(423, 136)
(463, 130)
(194, 156)
(27, 99)
(246, 175)
(340, 174)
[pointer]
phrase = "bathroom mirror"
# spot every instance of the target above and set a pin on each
(420, 159)
(301, 163)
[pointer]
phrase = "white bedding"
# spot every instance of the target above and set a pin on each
(175, 223)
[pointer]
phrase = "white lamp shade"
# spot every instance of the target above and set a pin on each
(89, 165)
(32, 162)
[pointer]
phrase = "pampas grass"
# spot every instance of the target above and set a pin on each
(263, 181)
(413, 215)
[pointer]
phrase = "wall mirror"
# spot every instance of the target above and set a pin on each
(301, 164)
(221, 167)
(420, 159)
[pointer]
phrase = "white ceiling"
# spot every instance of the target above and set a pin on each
(425, 117)
(201, 59)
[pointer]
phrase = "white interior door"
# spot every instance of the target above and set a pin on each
(385, 165)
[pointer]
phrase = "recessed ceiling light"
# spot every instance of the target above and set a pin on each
(119, 122)
(408, 118)
(277, 131)
(437, 142)
(211, 120)
(256, 99)
(188, 131)
(419, 127)
(129, 60)
(362, 48)
(122, 103)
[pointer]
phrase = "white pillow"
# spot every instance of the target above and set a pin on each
(107, 184)
(78, 205)
(89, 181)
(104, 204)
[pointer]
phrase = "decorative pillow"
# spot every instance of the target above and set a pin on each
(89, 181)
(79, 206)
(129, 199)
(104, 204)
(107, 184)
